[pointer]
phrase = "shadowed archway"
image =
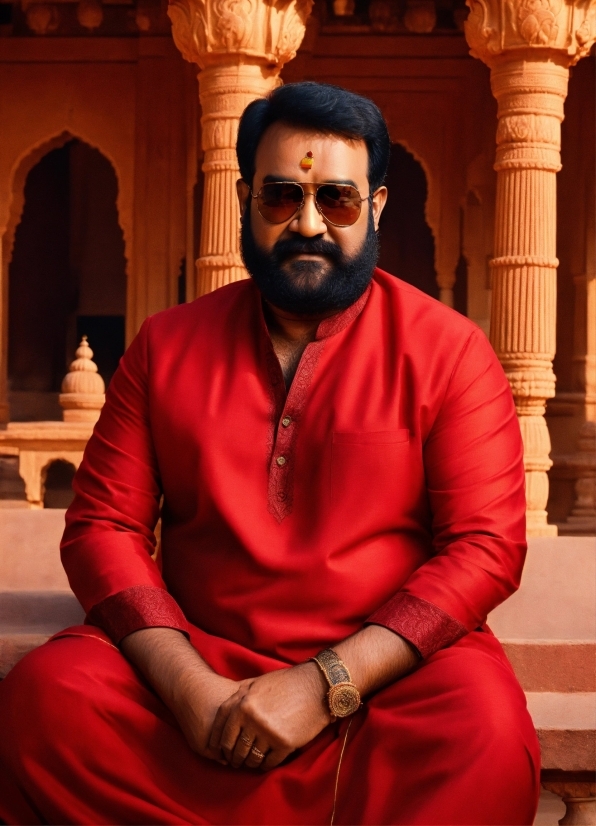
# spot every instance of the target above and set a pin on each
(407, 243)
(67, 276)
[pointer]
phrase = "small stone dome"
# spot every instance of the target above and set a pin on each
(83, 388)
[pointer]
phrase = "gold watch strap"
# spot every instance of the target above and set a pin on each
(343, 697)
(332, 667)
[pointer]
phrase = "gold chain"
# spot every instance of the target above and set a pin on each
(341, 756)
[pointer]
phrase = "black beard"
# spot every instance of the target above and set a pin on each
(310, 287)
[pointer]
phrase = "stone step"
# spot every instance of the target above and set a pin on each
(558, 677)
(566, 727)
(557, 597)
(553, 665)
(28, 618)
(29, 611)
(30, 550)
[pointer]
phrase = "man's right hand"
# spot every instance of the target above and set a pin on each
(188, 686)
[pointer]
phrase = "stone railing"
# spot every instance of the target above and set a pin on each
(36, 445)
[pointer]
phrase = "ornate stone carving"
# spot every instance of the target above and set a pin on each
(420, 16)
(143, 15)
(536, 21)
(211, 31)
(497, 26)
(344, 8)
(529, 45)
(90, 14)
(83, 388)
(42, 18)
(384, 15)
(241, 46)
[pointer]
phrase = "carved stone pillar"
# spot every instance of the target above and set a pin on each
(582, 467)
(241, 47)
(4, 409)
(529, 47)
(446, 282)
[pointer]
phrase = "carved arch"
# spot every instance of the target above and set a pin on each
(67, 462)
(408, 244)
(432, 207)
(25, 163)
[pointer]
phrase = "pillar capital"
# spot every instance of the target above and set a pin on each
(559, 30)
(215, 32)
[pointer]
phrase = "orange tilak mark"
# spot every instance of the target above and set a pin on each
(307, 161)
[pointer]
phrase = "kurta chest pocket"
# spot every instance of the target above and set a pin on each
(367, 465)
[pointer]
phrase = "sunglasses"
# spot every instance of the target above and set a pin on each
(339, 204)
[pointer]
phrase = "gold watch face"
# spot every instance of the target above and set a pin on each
(344, 699)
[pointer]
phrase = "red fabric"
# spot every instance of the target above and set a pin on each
(141, 606)
(84, 740)
(403, 473)
(400, 501)
(423, 624)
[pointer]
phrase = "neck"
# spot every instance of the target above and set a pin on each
(292, 327)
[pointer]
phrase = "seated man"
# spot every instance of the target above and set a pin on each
(341, 472)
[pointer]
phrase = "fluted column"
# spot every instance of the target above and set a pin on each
(529, 48)
(241, 47)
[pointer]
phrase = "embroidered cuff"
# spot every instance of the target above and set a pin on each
(424, 625)
(142, 606)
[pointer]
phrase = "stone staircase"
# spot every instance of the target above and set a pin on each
(548, 629)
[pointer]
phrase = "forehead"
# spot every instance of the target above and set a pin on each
(334, 158)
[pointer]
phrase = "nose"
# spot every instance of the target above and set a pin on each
(309, 221)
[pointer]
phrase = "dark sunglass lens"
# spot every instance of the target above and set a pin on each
(339, 204)
(279, 202)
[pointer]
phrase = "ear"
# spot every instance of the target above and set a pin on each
(379, 199)
(243, 192)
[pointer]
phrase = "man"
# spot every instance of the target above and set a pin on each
(342, 478)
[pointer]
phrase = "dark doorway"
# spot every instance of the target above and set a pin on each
(58, 485)
(67, 272)
(407, 243)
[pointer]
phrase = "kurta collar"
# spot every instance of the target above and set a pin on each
(334, 324)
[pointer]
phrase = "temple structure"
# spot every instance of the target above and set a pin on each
(117, 187)
(117, 198)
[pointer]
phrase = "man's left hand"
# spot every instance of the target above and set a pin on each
(272, 715)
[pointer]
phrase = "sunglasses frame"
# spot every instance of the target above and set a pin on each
(301, 205)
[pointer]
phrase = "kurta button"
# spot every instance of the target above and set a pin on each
(281, 460)
(286, 421)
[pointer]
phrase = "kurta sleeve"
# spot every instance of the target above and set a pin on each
(109, 538)
(473, 460)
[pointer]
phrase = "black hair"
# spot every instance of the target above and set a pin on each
(320, 107)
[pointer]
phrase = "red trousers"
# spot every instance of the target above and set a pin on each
(83, 739)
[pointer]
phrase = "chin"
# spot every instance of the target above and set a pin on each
(306, 273)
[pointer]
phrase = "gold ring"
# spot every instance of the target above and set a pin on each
(246, 740)
(257, 753)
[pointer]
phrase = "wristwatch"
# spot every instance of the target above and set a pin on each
(343, 696)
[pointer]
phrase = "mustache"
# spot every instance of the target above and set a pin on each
(307, 246)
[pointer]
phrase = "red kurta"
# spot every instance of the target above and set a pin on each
(386, 486)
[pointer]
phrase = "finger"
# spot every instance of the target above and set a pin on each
(243, 747)
(257, 754)
(221, 718)
(217, 758)
(231, 730)
(274, 758)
